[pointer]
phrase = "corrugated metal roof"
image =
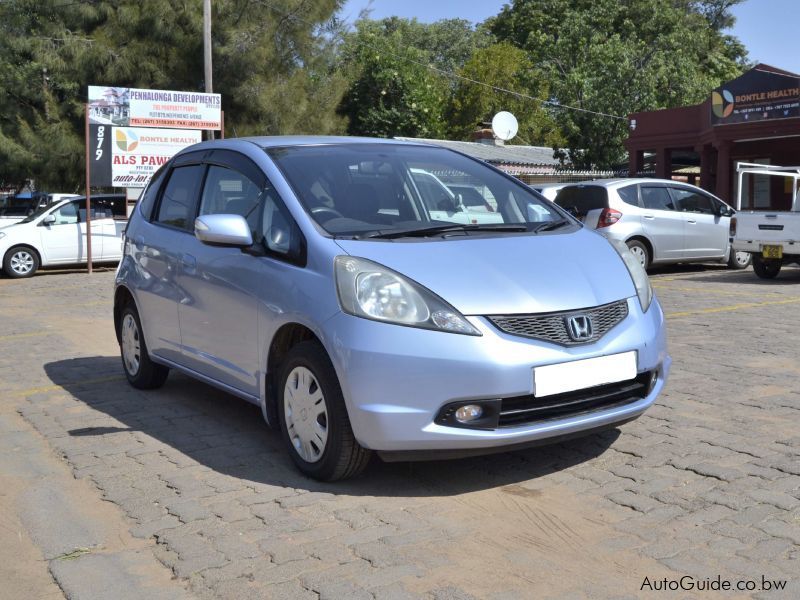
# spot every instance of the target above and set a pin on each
(508, 154)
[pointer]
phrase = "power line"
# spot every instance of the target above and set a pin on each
(452, 75)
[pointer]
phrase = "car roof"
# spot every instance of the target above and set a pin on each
(620, 181)
(276, 141)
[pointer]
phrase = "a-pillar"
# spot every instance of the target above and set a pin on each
(635, 162)
(723, 188)
(663, 163)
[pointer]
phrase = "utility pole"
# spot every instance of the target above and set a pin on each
(207, 51)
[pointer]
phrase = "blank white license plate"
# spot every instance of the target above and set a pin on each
(579, 374)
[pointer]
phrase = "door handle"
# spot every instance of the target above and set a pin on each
(691, 221)
(651, 217)
(189, 262)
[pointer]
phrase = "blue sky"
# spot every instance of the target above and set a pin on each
(768, 28)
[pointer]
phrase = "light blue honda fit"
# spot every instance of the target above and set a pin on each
(382, 296)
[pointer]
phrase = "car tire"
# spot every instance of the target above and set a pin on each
(640, 251)
(766, 268)
(739, 260)
(141, 371)
(313, 417)
(20, 261)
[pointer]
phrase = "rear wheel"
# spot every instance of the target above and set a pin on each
(20, 261)
(141, 372)
(739, 260)
(313, 417)
(766, 268)
(640, 251)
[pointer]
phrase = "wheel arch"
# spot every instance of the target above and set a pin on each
(35, 250)
(285, 338)
(647, 243)
(122, 296)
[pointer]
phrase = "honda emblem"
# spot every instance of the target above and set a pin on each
(579, 328)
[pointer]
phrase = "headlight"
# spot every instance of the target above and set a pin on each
(372, 291)
(640, 279)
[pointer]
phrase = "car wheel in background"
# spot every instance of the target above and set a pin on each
(766, 268)
(640, 251)
(142, 373)
(313, 416)
(20, 261)
(739, 260)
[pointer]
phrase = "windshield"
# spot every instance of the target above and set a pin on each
(36, 214)
(352, 190)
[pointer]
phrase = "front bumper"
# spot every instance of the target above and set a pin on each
(395, 379)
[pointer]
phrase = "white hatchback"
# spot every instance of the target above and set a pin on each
(57, 235)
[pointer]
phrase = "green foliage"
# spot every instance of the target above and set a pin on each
(276, 70)
(502, 66)
(393, 92)
(619, 57)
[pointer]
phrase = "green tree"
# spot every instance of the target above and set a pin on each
(613, 57)
(393, 91)
(274, 64)
(502, 66)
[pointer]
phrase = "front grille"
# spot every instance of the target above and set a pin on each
(526, 409)
(552, 327)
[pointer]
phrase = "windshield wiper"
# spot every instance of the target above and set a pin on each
(551, 225)
(425, 231)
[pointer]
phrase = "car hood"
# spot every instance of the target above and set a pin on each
(510, 273)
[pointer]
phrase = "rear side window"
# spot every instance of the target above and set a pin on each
(178, 203)
(657, 198)
(581, 199)
(629, 195)
(148, 199)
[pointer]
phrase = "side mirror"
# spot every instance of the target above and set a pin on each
(225, 230)
(725, 211)
(49, 220)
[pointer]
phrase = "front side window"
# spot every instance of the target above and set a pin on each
(688, 200)
(179, 200)
(68, 214)
(657, 198)
(361, 189)
(228, 192)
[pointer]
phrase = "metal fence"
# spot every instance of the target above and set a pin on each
(573, 176)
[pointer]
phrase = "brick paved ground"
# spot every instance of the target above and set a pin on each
(706, 483)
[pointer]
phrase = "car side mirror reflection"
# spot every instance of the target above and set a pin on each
(223, 230)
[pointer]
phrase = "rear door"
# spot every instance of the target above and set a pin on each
(705, 232)
(662, 223)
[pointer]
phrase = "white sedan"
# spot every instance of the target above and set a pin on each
(57, 235)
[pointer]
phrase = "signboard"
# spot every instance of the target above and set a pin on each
(138, 152)
(756, 96)
(128, 156)
(133, 107)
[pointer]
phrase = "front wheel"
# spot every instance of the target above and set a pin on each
(313, 417)
(20, 261)
(142, 373)
(739, 260)
(766, 268)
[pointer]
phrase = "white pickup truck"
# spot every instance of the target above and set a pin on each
(773, 237)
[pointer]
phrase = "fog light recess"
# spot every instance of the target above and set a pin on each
(469, 413)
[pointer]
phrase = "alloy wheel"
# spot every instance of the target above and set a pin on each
(21, 262)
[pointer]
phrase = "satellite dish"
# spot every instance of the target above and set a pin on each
(504, 125)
